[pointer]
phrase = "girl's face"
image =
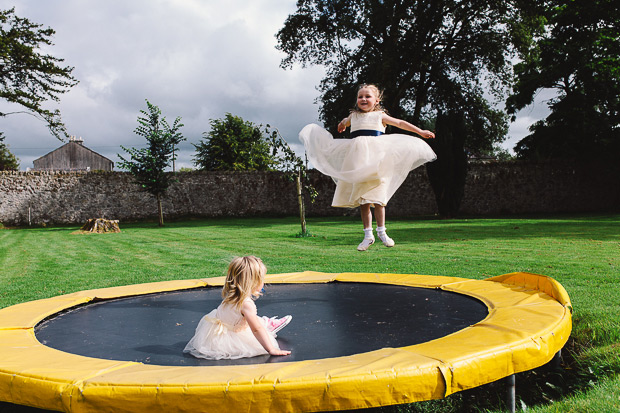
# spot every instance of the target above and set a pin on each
(367, 99)
(260, 287)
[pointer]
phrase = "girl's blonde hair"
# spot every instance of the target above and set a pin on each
(244, 277)
(378, 92)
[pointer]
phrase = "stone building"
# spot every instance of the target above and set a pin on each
(73, 156)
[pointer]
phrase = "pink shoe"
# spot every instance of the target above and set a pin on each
(276, 324)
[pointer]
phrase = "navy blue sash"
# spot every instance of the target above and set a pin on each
(364, 132)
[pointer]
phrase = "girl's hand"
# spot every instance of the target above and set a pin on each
(342, 126)
(248, 310)
(278, 352)
(402, 124)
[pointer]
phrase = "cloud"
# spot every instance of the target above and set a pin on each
(527, 116)
(194, 59)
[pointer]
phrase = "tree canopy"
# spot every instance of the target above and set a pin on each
(436, 59)
(148, 165)
(28, 77)
(430, 56)
(8, 161)
(233, 144)
(579, 57)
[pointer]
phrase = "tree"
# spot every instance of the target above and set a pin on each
(233, 144)
(294, 169)
(445, 173)
(148, 165)
(27, 77)
(578, 56)
(8, 161)
(431, 57)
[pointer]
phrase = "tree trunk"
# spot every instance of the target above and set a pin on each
(300, 202)
(447, 173)
(160, 211)
(100, 225)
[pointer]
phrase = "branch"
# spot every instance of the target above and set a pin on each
(21, 112)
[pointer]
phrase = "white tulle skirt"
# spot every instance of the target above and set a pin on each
(215, 340)
(366, 169)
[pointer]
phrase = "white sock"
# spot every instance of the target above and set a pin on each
(383, 236)
(368, 233)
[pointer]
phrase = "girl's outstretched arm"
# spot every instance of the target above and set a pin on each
(344, 124)
(399, 123)
(248, 309)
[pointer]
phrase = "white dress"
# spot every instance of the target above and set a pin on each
(367, 169)
(225, 334)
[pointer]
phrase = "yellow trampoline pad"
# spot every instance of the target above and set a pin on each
(529, 321)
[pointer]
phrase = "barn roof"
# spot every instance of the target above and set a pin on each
(73, 142)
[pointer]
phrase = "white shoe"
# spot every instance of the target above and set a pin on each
(367, 242)
(387, 241)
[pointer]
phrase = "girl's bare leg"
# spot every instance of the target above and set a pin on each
(369, 239)
(380, 215)
(366, 214)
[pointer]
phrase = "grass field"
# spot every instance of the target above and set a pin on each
(581, 252)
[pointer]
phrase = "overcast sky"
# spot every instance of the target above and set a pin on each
(197, 59)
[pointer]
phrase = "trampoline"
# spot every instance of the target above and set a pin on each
(357, 340)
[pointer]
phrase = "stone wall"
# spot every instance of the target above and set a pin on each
(519, 187)
(43, 197)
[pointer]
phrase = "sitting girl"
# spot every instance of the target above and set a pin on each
(234, 330)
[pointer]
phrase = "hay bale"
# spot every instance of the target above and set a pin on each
(100, 225)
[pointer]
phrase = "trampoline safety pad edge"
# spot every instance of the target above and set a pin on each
(529, 321)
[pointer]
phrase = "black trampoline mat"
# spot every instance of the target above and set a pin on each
(329, 320)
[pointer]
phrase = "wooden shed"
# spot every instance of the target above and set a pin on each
(73, 156)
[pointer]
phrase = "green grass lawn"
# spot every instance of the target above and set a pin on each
(581, 252)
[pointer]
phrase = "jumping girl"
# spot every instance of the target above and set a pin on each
(369, 167)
